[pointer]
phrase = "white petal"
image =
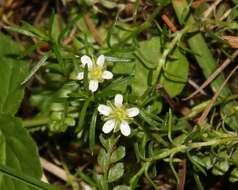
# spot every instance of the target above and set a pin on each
(107, 75)
(118, 100)
(80, 76)
(93, 85)
(86, 60)
(125, 128)
(108, 126)
(132, 112)
(100, 60)
(104, 110)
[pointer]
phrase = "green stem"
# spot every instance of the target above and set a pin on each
(170, 46)
(188, 147)
(135, 178)
(35, 121)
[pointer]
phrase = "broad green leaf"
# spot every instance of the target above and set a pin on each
(116, 172)
(234, 156)
(118, 154)
(149, 52)
(31, 181)
(146, 58)
(18, 151)
(220, 168)
(122, 187)
(139, 75)
(175, 75)
(12, 72)
(234, 175)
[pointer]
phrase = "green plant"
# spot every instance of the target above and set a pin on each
(115, 94)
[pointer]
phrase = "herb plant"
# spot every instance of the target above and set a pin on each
(102, 91)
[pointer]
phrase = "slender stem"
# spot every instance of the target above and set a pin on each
(182, 148)
(170, 46)
(35, 121)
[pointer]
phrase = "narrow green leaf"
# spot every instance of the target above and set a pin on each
(122, 187)
(36, 67)
(55, 28)
(92, 130)
(82, 115)
(20, 31)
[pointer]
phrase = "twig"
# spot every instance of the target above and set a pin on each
(197, 3)
(232, 40)
(209, 107)
(194, 85)
(57, 171)
(53, 169)
(169, 23)
(225, 15)
(211, 8)
(44, 179)
(70, 37)
(182, 175)
(41, 12)
(214, 75)
(93, 29)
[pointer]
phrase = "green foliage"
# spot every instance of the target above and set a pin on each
(31, 182)
(12, 73)
(142, 55)
(115, 172)
(147, 56)
(118, 154)
(18, 151)
(122, 187)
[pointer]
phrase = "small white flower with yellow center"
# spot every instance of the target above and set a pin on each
(117, 116)
(97, 72)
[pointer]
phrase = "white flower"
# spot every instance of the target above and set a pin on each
(97, 72)
(117, 116)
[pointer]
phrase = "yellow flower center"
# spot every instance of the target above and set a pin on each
(96, 73)
(120, 114)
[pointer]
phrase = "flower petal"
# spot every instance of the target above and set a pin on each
(104, 110)
(93, 85)
(125, 128)
(107, 75)
(118, 100)
(132, 112)
(80, 76)
(86, 60)
(108, 126)
(100, 60)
